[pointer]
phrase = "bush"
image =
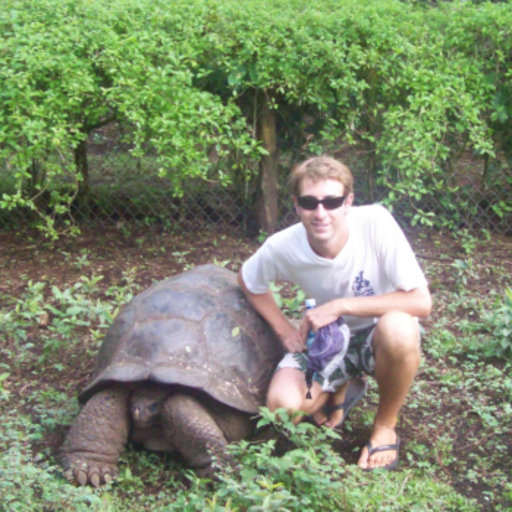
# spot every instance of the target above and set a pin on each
(212, 90)
(70, 67)
(311, 476)
(494, 328)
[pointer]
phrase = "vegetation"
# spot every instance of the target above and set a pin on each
(217, 90)
(68, 68)
(58, 302)
(415, 96)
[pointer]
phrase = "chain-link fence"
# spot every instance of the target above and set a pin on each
(123, 189)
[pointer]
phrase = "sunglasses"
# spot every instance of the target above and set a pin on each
(311, 203)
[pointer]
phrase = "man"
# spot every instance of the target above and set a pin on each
(357, 264)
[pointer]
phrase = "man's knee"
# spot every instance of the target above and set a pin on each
(285, 391)
(397, 333)
(277, 401)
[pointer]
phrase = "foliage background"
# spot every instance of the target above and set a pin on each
(165, 114)
(185, 118)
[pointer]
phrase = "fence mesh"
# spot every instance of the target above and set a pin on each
(125, 190)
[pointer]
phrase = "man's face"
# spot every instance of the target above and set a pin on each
(324, 226)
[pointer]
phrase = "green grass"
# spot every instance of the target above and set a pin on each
(455, 426)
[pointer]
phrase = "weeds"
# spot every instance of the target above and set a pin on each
(498, 324)
(312, 476)
(455, 426)
(468, 357)
(32, 482)
(61, 316)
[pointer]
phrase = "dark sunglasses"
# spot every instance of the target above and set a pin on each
(311, 203)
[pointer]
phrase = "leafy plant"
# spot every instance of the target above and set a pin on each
(412, 89)
(311, 476)
(29, 484)
(497, 324)
(291, 301)
(59, 314)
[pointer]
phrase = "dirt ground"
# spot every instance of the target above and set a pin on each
(141, 255)
(149, 255)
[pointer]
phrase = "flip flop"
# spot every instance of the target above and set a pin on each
(385, 447)
(356, 390)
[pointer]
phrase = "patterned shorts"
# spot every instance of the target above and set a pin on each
(358, 359)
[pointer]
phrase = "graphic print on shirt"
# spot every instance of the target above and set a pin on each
(361, 286)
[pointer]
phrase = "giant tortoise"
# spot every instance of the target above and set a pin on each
(183, 368)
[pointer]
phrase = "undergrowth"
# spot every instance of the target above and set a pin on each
(455, 427)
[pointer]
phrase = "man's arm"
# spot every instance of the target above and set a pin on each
(417, 302)
(267, 307)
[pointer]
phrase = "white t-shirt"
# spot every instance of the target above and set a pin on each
(376, 259)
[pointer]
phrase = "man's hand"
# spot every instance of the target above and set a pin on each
(320, 316)
(293, 341)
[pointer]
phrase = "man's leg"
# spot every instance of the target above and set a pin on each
(335, 398)
(288, 390)
(397, 357)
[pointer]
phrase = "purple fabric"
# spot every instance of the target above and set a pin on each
(329, 341)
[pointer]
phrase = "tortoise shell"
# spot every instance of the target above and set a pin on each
(195, 329)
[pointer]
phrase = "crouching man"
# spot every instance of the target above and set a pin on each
(357, 263)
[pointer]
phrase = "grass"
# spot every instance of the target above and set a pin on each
(456, 425)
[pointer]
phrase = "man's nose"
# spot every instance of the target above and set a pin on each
(320, 211)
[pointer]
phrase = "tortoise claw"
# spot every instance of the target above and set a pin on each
(85, 471)
(81, 477)
(95, 479)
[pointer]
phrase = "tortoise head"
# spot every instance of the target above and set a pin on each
(146, 404)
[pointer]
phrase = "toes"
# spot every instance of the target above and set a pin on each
(376, 460)
(320, 418)
(69, 475)
(94, 475)
(95, 480)
(363, 459)
(383, 459)
(90, 472)
(108, 473)
(335, 418)
(81, 477)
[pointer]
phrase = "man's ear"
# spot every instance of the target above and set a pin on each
(349, 200)
(296, 204)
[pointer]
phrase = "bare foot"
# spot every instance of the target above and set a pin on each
(320, 417)
(331, 414)
(380, 458)
(335, 417)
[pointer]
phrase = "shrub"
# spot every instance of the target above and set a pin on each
(68, 68)
(496, 323)
(212, 90)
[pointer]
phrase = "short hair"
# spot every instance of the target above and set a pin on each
(321, 168)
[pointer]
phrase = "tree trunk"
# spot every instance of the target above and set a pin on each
(82, 168)
(37, 178)
(268, 200)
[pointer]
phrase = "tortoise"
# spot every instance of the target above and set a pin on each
(184, 368)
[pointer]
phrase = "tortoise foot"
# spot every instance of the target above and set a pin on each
(83, 469)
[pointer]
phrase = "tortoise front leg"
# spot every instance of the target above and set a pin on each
(95, 440)
(193, 432)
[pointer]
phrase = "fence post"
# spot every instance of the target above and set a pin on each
(268, 197)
